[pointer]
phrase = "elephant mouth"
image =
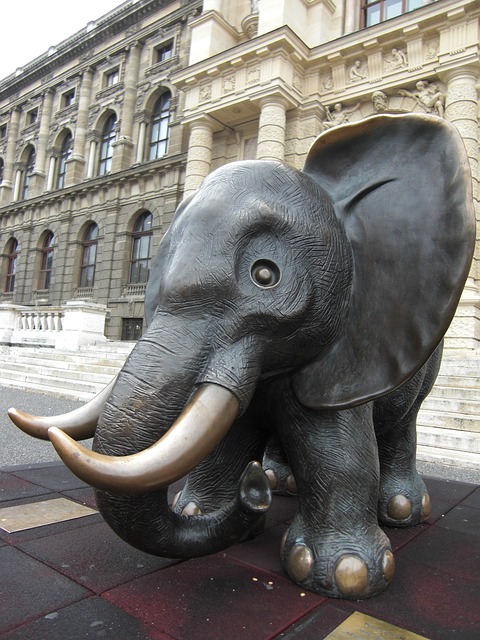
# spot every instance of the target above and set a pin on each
(204, 421)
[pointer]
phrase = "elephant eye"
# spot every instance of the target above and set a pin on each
(265, 274)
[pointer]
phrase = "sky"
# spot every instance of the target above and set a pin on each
(31, 27)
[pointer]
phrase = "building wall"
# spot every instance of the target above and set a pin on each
(125, 40)
(248, 80)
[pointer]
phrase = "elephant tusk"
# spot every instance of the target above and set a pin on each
(80, 424)
(199, 428)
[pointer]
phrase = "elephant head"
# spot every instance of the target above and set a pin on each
(339, 280)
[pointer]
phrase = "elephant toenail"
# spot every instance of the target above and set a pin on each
(272, 478)
(426, 507)
(351, 576)
(399, 507)
(291, 484)
(388, 565)
(191, 509)
(300, 563)
(175, 499)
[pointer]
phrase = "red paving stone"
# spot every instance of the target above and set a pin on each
(77, 580)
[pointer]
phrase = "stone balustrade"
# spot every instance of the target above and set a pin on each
(67, 327)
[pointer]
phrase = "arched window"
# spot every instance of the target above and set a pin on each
(141, 249)
(106, 149)
(2, 167)
(46, 262)
(29, 167)
(89, 256)
(159, 127)
(11, 258)
(65, 151)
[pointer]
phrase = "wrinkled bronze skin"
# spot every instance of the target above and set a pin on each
(310, 307)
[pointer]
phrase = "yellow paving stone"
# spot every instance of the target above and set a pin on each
(39, 514)
(359, 626)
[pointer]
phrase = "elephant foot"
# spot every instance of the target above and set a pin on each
(280, 476)
(403, 502)
(337, 565)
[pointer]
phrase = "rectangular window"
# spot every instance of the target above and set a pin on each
(68, 98)
(112, 77)
(163, 52)
(132, 328)
(32, 116)
(376, 11)
(3, 131)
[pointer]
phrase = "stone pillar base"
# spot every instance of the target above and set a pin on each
(122, 156)
(83, 323)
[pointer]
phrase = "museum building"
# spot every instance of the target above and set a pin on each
(103, 135)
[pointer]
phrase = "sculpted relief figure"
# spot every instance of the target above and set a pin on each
(357, 72)
(428, 96)
(396, 60)
(296, 317)
(339, 115)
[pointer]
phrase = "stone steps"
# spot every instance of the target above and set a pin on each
(448, 423)
(77, 374)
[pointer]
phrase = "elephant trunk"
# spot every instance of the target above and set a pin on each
(138, 452)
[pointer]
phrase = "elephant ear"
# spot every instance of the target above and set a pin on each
(402, 189)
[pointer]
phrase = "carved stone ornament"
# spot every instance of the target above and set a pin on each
(428, 97)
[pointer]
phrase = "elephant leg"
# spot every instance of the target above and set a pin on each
(334, 545)
(403, 496)
(278, 469)
(214, 482)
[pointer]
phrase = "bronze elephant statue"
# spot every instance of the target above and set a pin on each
(305, 306)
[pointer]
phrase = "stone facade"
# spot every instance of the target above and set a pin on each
(246, 79)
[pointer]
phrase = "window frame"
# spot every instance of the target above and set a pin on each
(88, 258)
(107, 139)
(141, 249)
(160, 121)
(46, 262)
(11, 265)
(111, 77)
(63, 156)
(382, 5)
(28, 170)
(167, 46)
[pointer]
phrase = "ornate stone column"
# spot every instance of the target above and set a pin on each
(51, 170)
(92, 154)
(8, 169)
(461, 108)
(271, 128)
(142, 131)
(199, 158)
(37, 179)
(19, 169)
(122, 157)
(76, 162)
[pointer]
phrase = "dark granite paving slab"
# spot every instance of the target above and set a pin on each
(262, 552)
(317, 624)
(445, 494)
(13, 487)
(57, 478)
(93, 556)
(29, 589)
(214, 598)
(473, 500)
(89, 619)
(463, 519)
(456, 554)
(427, 601)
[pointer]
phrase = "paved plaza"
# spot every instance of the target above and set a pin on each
(65, 574)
